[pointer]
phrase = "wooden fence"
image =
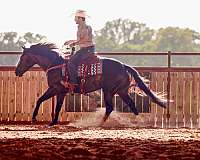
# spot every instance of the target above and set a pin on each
(18, 97)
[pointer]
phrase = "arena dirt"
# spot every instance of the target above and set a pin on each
(113, 140)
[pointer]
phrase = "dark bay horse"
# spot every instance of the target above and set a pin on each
(115, 79)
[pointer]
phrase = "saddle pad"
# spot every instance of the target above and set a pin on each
(87, 70)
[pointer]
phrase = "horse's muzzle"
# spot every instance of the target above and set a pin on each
(18, 73)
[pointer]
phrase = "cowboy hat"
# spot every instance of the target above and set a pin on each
(81, 13)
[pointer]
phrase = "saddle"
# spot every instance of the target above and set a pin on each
(90, 66)
(87, 68)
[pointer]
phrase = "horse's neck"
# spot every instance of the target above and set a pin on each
(44, 62)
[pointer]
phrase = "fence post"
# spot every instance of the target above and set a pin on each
(168, 85)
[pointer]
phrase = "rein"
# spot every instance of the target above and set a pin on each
(55, 67)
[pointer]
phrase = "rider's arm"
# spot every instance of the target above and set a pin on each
(69, 42)
(82, 36)
(72, 42)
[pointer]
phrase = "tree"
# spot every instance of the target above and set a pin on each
(8, 41)
(12, 41)
(122, 32)
(176, 39)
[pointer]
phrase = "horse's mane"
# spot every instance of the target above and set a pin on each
(49, 50)
(46, 45)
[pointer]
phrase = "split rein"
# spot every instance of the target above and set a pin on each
(55, 67)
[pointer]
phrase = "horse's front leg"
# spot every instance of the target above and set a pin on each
(50, 92)
(108, 96)
(60, 99)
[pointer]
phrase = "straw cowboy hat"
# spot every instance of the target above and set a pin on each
(81, 13)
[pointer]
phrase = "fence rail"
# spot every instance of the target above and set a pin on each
(182, 84)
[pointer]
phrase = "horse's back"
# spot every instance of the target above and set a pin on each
(112, 66)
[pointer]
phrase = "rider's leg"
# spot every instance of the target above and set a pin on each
(74, 61)
(72, 73)
(72, 68)
(86, 52)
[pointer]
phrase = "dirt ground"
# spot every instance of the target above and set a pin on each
(105, 142)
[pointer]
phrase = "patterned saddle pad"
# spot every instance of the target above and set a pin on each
(91, 66)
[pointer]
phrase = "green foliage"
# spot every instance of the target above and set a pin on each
(129, 36)
(176, 39)
(11, 41)
(121, 34)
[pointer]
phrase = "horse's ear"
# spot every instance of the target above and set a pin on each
(23, 47)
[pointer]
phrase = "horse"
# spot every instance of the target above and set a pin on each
(115, 79)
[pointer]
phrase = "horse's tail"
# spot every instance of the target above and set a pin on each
(138, 79)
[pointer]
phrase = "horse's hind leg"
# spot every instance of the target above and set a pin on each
(127, 99)
(50, 92)
(60, 99)
(108, 96)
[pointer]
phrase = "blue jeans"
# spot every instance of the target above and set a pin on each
(75, 60)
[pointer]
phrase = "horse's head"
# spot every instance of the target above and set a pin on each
(43, 54)
(25, 62)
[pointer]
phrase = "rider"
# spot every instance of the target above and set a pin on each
(84, 41)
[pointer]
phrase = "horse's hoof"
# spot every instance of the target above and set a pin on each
(52, 124)
(136, 113)
(34, 120)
